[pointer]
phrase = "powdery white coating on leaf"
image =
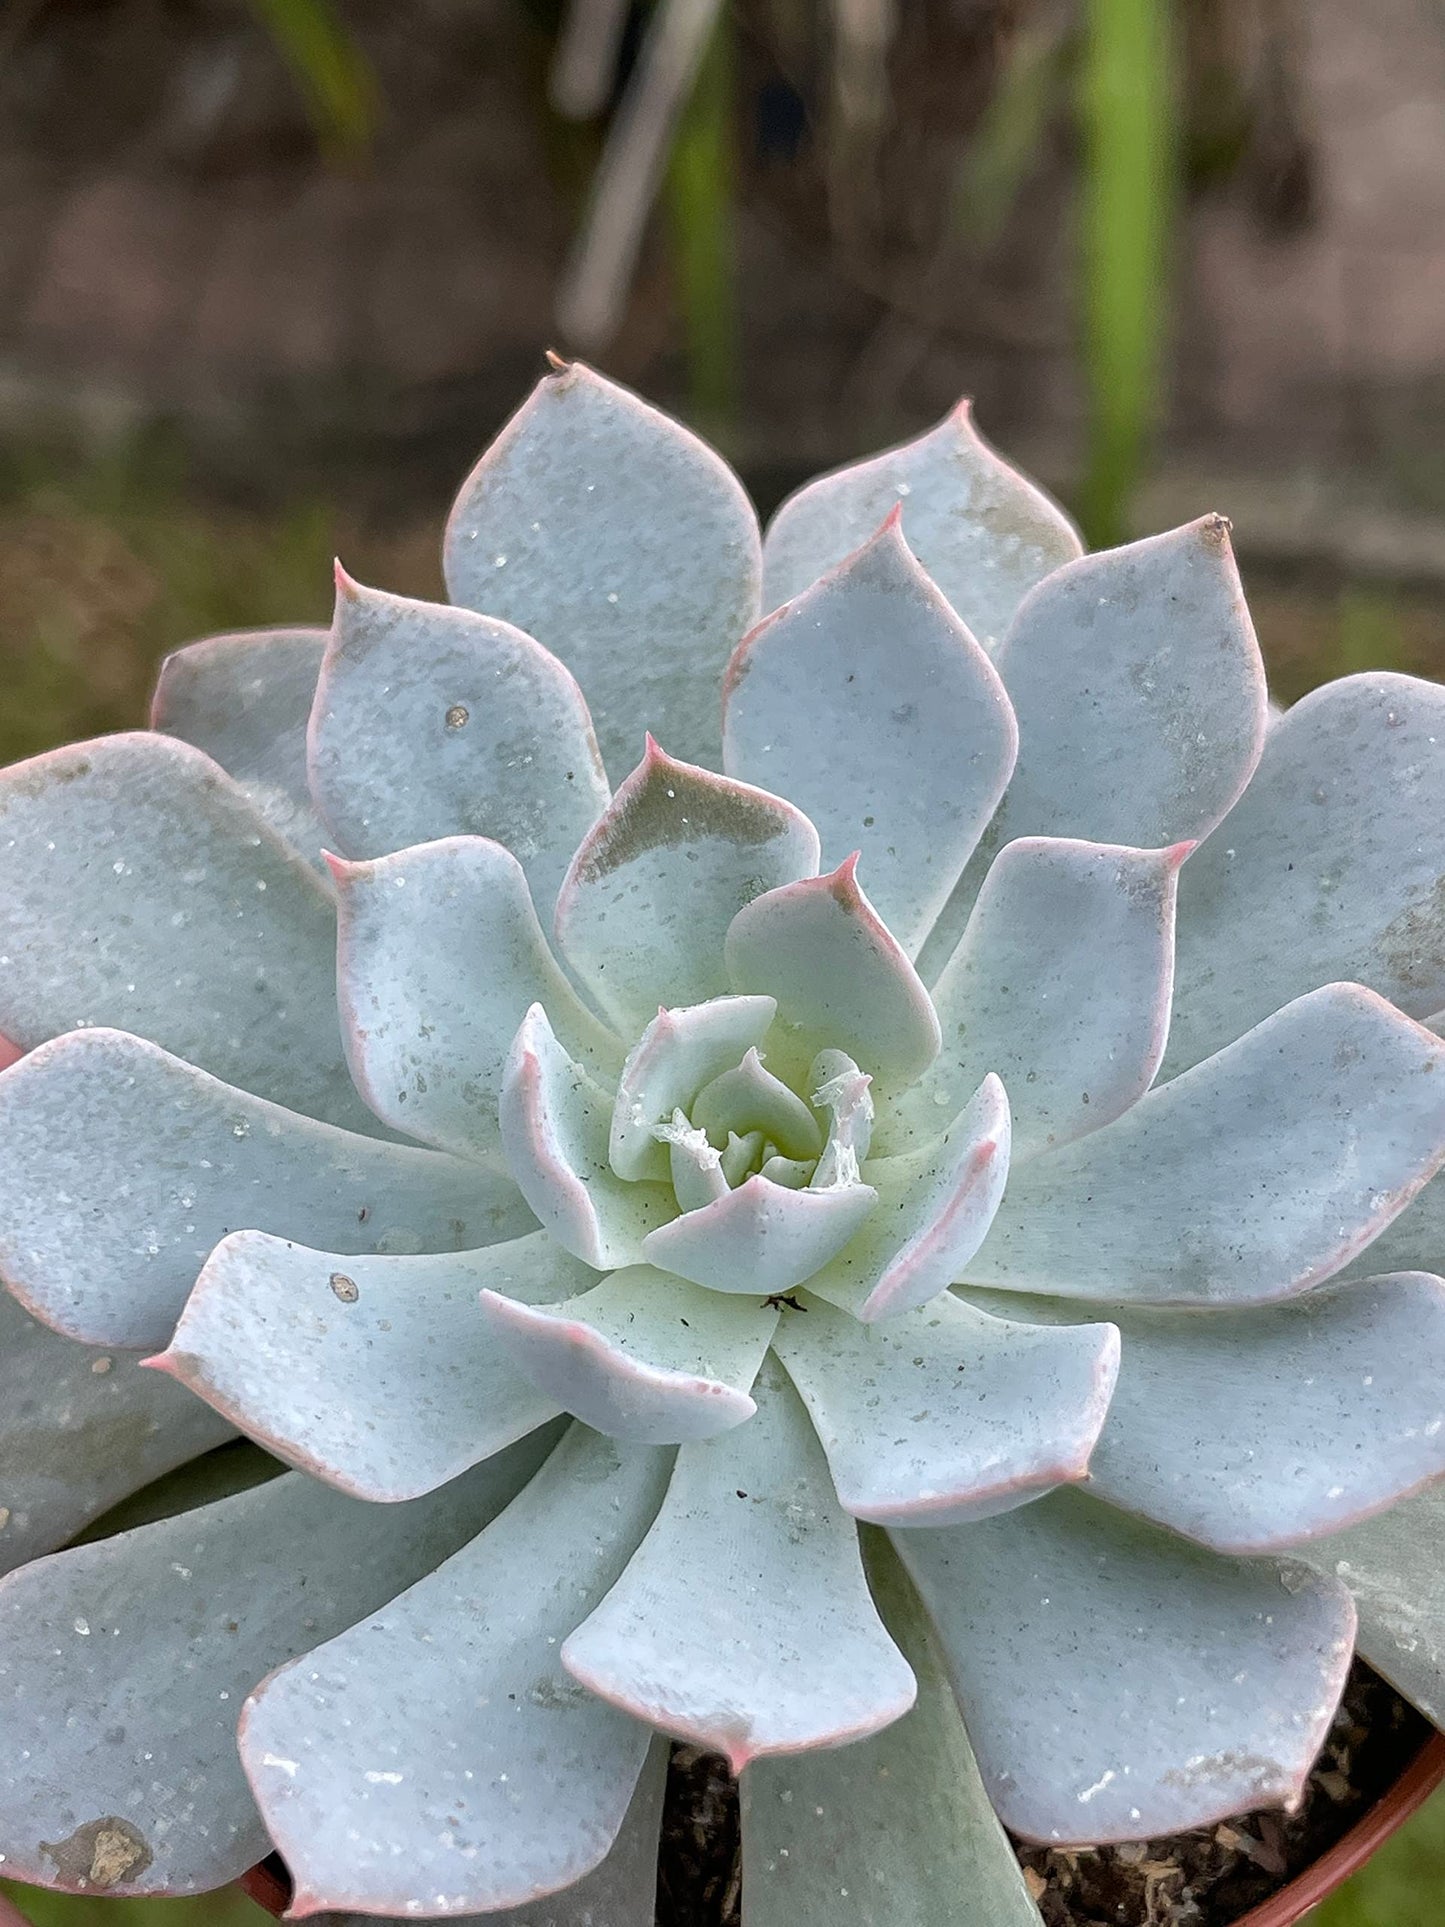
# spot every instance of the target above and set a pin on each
(144, 890)
(1060, 985)
(439, 957)
(121, 1168)
(870, 705)
(641, 1356)
(159, 1634)
(431, 721)
(984, 533)
(945, 1414)
(624, 545)
(679, 1052)
(1199, 1687)
(935, 1206)
(555, 1122)
(376, 1374)
(245, 699)
(1257, 1174)
(1394, 1567)
(81, 1428)
(841, 979)
(1331, 865)
(892, 1831)
(783, 1649)
(1256, 1431)
(438, 1751)
(762, 1238)
(647, 902)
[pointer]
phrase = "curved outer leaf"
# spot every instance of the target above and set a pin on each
(641, 1356)
(935, 1208)
(433, 722)
(1060, 985)
(762, 1238)
(79, 1430)
(555, 1123)
(892, 1831)
(121, 1168)
(647, 902)
(1415, 1241)
(679, 1052)
(620, 542)
(1083, 1737)
(1255, 1175)
(144, 890)
(842, 981)
(1394, 1566)
(244, 699)
(437, 1753)
(783, 1650)
(376, 1374)
(869, 703)
(1139, 691)
(123, 1666)
(983, 533)
(440, 957)
(945, 1414)
(1254, 1431)
(1331, 865)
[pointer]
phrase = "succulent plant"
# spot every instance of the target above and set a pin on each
(756, 1260)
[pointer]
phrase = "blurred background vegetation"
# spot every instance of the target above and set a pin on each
(272, 271)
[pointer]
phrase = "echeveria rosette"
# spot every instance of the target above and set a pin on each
(770, 1146)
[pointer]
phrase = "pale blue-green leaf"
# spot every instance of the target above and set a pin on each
(869, 704)
(1060, 985)
(432, 722)
(1139, 691)
(694, 1166)
(983, 533)
(121, 1168)
(450, 1706)
(761, 1238)
(646, 905)
(440, 956)
(1257, 1174)
(245, 700)
(782, 1649)
(642, 1356)
(1084, 1734)
(749, 1097)
(623, 544)
(946, 1414)
(892, 1831)
(935, 1207)
(124, 1665)
(81, 1429)
(620, 1892)
(1394, 1566)
(1331, 865)
(1255, 1431)
(376, 1374)
(555, 1122)
(680, 1051)
(841, 978)
(143, 889)
(1415, 1241)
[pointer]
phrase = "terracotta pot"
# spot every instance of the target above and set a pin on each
(1284, 1909)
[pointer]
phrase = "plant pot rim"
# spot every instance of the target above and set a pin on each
(1283, 1909)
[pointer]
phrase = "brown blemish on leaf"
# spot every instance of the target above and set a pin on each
(103, 1853)
(103, 1445)
(668, 803)
(1410, 945)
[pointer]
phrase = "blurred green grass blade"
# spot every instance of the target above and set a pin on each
(1004, 148)
(699, 192)
(1126, 117)
(329, 67)
(229, 1908)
